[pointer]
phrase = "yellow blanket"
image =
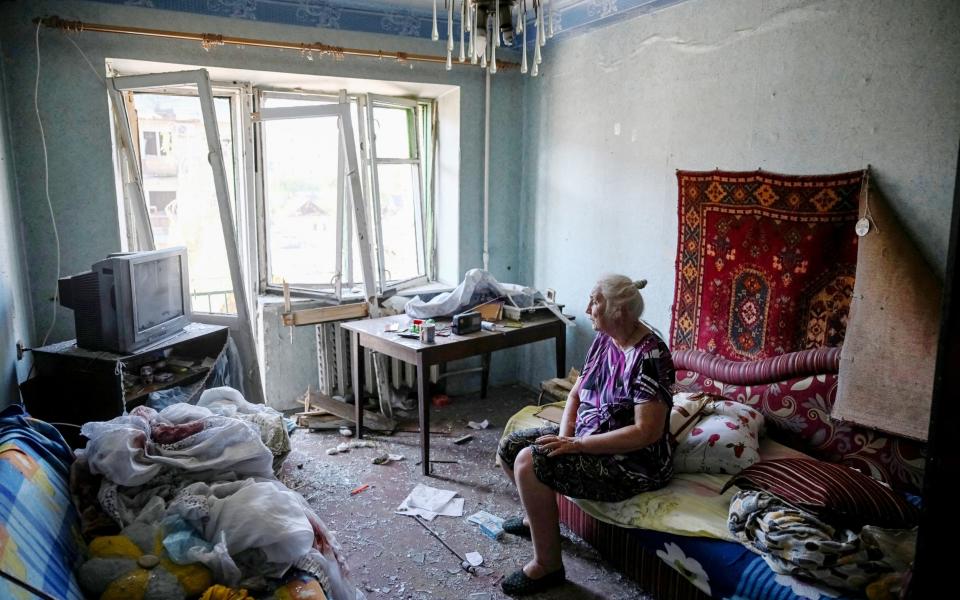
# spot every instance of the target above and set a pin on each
(691, 504)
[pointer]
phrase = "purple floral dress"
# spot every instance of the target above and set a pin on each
(612, 383)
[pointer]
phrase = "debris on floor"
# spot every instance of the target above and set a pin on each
(398, 558)
(428, 503)
(490, 525)
(386, 458)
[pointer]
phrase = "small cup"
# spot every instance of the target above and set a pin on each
(428, 333)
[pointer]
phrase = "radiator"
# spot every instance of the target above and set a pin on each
(334, 364)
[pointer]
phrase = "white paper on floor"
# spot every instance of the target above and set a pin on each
(474, 558)
(428, 502)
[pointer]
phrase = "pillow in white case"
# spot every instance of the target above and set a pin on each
(725, 440)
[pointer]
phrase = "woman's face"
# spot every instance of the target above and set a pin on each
(596, 310)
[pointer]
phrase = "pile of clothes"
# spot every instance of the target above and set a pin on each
(197, 484)
(826, 523)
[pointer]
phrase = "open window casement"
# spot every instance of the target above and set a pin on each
(304, 187)
(138, 229)
(394, 152)
(393, 144)
(199, 164)
(302, 174)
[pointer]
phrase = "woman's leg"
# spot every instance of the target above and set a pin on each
(540, 503)
(511, 445)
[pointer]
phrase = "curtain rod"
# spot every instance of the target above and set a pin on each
(209, 40)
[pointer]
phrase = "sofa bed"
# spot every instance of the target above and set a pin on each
(676, 542)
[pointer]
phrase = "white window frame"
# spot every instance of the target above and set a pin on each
(344, 249)
(263, 244)
(372, 161)
(239, 96)
(348, 176)
(250, 207)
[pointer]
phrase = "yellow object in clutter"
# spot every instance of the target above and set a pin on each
(302, 588)
(490, 311)
(222, 592)
(135, 565)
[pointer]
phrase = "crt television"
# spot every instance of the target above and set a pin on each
(129, 300)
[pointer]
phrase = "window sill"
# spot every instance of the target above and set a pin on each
(272, 297)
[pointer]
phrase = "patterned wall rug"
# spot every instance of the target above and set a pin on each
(765, 262)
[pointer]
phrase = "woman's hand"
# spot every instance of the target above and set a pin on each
(559, 444)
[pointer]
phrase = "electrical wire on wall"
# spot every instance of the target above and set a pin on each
(46, 189)
(46, 170)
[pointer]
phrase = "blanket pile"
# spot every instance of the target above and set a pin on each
(204, 476)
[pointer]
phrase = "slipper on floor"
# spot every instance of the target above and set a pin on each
(515, 526)
(518, 584)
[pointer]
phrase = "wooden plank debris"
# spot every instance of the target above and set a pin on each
(324, 421)
(321, 402)
(557, 389)
(326, 314)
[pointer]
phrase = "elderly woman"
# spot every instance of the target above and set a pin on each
(612, 441)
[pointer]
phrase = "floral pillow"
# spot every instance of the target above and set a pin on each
(714, 435)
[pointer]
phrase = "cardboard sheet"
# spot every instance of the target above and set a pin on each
(888, 357)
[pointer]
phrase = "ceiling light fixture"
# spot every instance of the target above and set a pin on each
(490, 24)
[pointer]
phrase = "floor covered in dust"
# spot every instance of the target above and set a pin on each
(391, 555)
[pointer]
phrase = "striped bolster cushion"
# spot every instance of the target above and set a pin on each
(837, 493)
(803, 363)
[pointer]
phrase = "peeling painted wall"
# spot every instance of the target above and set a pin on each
(793, 86)
(75, 111)
(16, 323)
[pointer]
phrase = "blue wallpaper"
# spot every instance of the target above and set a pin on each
(387, 18)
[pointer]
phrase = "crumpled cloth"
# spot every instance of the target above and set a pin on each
(796, 542)
(251, 514)
(228, 402)
(478, 286)
(124, 452)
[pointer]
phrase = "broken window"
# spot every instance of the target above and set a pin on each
(308, 226)
(293, 208)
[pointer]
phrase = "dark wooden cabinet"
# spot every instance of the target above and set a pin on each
(74, 385)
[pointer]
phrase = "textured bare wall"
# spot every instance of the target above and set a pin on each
(795, 86)
(15, 321)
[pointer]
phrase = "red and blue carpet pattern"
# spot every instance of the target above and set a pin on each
(765, 262)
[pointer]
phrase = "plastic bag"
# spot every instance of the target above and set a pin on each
(161, 399)
(227, 402)
(228, 370)
(478, 286)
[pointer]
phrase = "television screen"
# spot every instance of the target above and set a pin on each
(159, 297)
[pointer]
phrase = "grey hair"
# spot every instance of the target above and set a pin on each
(621, 292)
